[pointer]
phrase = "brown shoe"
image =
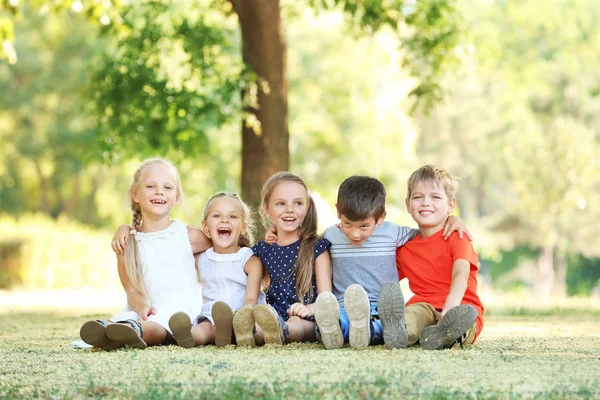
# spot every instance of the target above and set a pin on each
(181, 327)
(94, 333)
(450, 329)
(273, 327)
(129, 333)
(243, 326)
(223, 317)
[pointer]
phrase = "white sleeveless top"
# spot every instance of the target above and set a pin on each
(223, 279)
(169, 274)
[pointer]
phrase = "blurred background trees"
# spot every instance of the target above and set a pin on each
(503, 94)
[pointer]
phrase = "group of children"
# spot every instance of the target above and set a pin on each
(295, 285)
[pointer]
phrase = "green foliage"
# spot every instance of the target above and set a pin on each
(430, 32)
(173, 72)
(46, 131)
(38, 253)
(583, 275)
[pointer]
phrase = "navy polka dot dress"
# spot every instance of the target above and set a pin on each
(279, 261)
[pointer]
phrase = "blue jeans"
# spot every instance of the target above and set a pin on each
(376, 329)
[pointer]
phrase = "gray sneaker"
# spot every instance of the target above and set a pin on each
(358, 309)
(449, 329)
(390, 307)
(327, 316)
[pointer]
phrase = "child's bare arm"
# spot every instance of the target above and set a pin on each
(454, 223)
(254, 270)
(119, 240)
(198, 239)
(460, 275)
(135, 299)
(323, 278)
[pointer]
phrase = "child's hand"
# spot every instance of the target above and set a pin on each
(271, 235)
(147, 312)
(455, 224)
(119, 240)
(299, 310)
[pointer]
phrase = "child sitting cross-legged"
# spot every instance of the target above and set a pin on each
(442, 273)
(361, 309)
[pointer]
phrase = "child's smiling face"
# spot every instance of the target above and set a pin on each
(429, 206)
(224, 223)
(287, 206)
(156, 192)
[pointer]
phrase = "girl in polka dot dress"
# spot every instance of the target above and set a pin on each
(297, 266)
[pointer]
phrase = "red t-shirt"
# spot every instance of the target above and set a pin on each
(427, 263)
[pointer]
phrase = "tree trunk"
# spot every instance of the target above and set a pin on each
(44, 198)
(552, 271)
(264, 50)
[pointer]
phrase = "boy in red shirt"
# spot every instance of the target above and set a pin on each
(442, 273)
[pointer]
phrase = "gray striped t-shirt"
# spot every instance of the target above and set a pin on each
(371, 264)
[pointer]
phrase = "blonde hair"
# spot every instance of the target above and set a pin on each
(305, 264)
(132, 262)
(247, 238)
(434, 175)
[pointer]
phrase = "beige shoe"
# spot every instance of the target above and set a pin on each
(243, 326)
(268, 320)
(223, 317)
(358, 309)
(327, 316)
(181, 327)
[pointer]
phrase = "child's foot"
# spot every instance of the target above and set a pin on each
(181, 327)
(268, 320)
(390, 307)
(223, 317)
(358, 308)
(94, 333)
(128, 332)
(243, 326)
(448, 330)
(327, 316)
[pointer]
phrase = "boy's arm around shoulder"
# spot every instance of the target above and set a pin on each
(198, 240)
(404, 233)
(254, 271)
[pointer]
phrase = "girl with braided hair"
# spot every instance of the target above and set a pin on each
(157, 270)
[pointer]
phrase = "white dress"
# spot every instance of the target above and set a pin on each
(223, 279)
(169, 274)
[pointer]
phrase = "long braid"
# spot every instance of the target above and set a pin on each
(133, 266)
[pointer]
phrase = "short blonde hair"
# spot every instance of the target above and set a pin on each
(433, 175)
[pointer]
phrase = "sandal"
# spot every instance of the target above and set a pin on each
(181, 327)
(94, 333)
(128, 332)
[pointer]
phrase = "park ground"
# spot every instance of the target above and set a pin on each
(528, 352)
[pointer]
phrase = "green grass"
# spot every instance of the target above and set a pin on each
(550, 355)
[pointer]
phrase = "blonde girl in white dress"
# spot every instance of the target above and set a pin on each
(231, 276)
(157, 270)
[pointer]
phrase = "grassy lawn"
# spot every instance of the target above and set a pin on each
(552, 353)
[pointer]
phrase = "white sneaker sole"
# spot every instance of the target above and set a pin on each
(356, 303)
(327, 316)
